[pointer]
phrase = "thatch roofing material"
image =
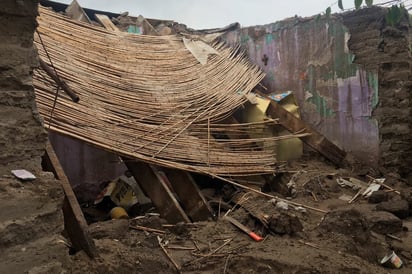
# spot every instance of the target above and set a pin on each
(148, 98)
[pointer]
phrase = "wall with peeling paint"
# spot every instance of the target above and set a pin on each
(311, 58)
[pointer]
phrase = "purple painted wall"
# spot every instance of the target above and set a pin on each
(311, 58)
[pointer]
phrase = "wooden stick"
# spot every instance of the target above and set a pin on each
(226, 263)
(180, 247)
(148, 229)
(385, 185)
(394, 237)
(309, 244)
(204, 256)
(210, 253)
(178, 268)
(196, 245)
(314, 196)
(59, 81)
(186, 224)
(268, 195)
(390, 188)
(356, 196)
(208, 141)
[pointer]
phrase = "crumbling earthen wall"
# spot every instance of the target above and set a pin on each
(385, 49)
(31, 218)
(351, 75)
(22, 137)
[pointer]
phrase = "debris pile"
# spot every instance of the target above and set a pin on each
(207, 188)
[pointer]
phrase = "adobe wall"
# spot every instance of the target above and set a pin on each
(342, 78)
(386, 49)
(22, 137)
(31, 218)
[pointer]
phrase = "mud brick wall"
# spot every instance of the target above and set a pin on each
(22, 137)
(385, 49)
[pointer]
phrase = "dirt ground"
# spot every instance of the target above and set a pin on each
(350, 238)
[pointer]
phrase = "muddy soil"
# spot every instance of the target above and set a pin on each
(349, 238)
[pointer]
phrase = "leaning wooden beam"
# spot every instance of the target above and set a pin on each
(315, 140)
(190, 197)
(157, 190)
(106, 22)
(74, 221)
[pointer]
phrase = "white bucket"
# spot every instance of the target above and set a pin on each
(392, 260)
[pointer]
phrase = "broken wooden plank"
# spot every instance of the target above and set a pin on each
(157, 190)
(74, 222)
(315, 140)
(247, 201)
(105, 21)
(190, 197)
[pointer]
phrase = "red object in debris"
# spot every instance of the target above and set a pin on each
(252, 234)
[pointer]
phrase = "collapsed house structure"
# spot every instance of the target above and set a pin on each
(164, 100)
(169, 105)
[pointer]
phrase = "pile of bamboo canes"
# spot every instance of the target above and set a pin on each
(148, 98)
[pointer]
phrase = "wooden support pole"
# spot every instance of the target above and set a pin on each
(74, 222)
(190, 197)
(315, 140)
(157, 190)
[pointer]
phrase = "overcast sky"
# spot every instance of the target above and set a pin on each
(200, 14)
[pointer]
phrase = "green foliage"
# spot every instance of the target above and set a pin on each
(369, 3)
(358, 3)
(327, 12)
(394, 15)
(340, 4)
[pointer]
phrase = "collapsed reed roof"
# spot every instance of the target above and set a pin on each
(148, 98)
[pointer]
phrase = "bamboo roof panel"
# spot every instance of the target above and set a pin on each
(148, 98)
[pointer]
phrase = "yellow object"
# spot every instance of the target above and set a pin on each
(287, 149)
(118, 213)
(120, 192)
